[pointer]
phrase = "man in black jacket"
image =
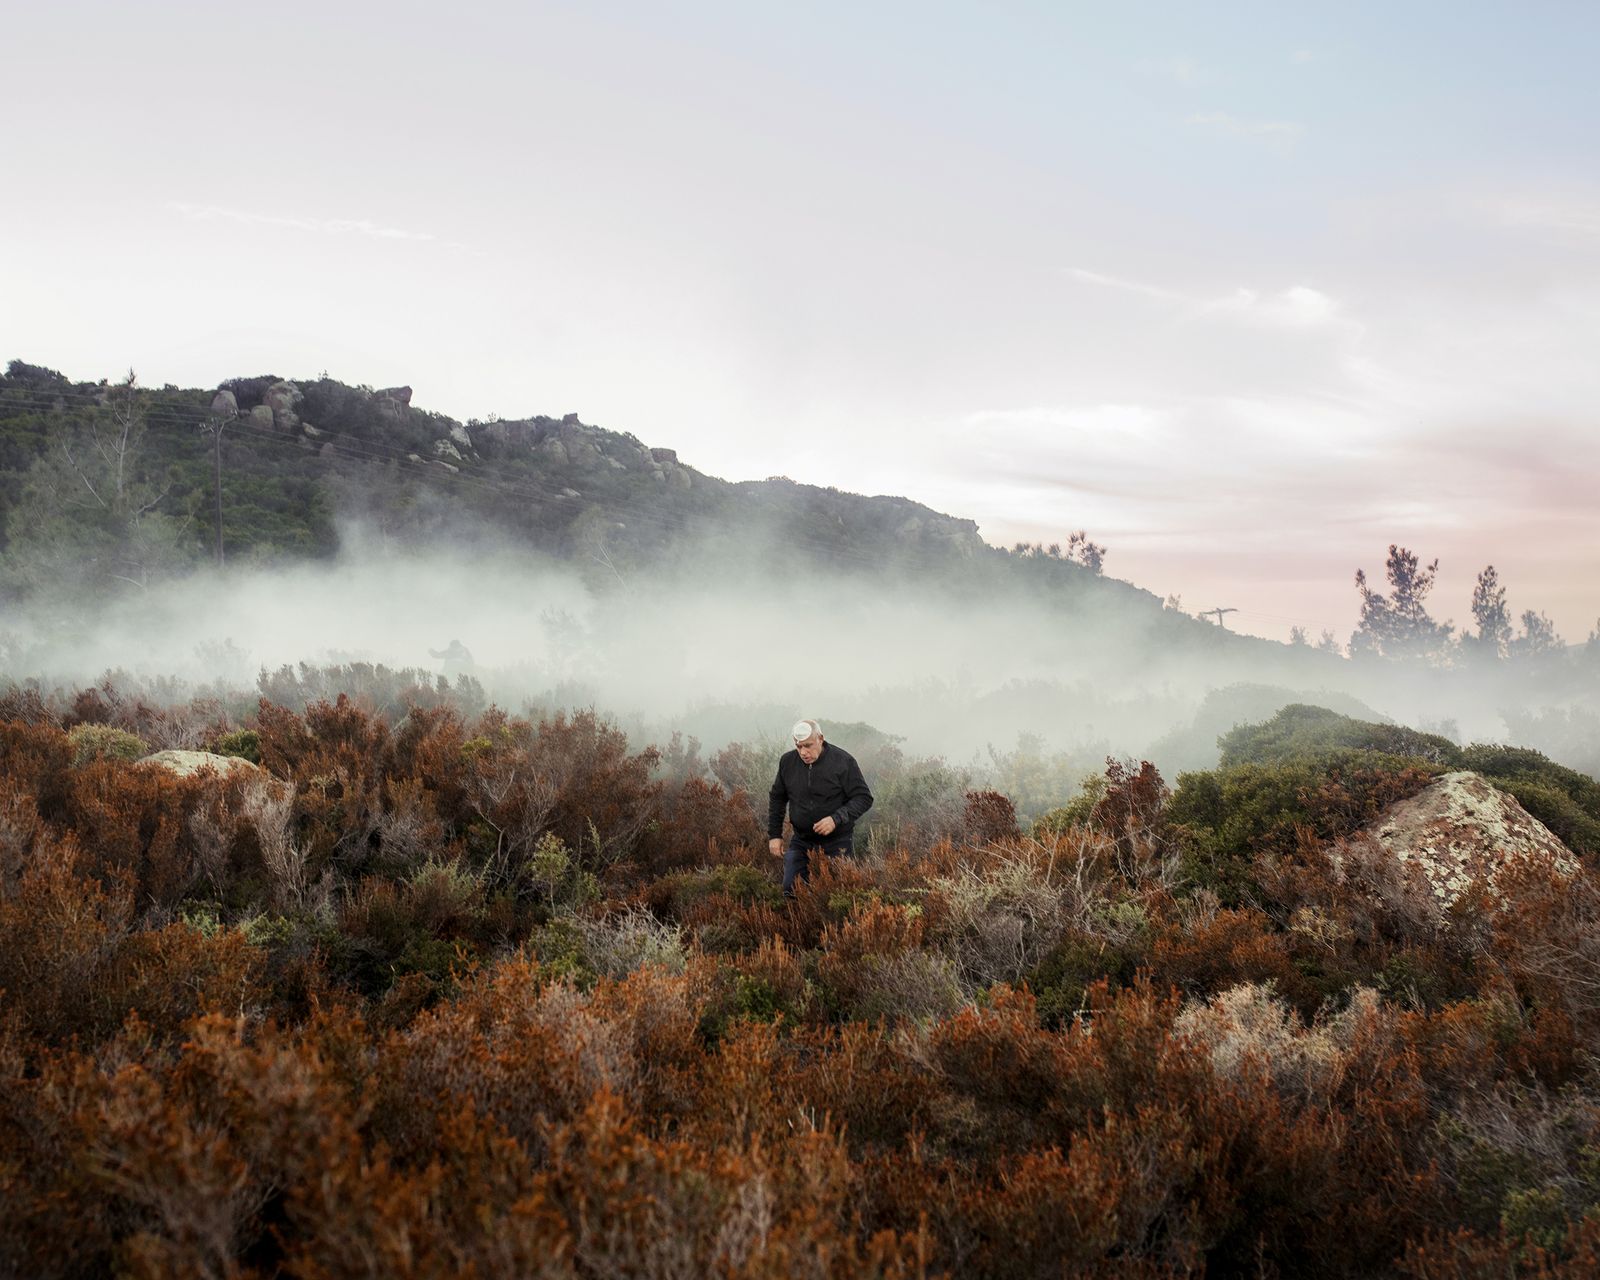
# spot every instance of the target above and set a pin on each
(825, 793)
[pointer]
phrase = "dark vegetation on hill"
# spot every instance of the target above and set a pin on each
(445, 991)
(1566, 801)
(295, 457)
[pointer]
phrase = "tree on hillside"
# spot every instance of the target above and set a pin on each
(1398, 625)
(34, 377)
(1489, 612)
(89, 513)
(1091, 555)
(1538, 638)
(1079, 550)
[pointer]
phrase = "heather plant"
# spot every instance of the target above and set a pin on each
(1525, 1159)
(673, 895)
(148, 710)
(445, 993)
(997, 920)
(696, 822)
(915, 805)
(613, 946)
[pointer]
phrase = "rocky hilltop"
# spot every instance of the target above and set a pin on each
(577, 466)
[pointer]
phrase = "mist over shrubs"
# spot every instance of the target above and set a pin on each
(563, 565)
(458, 990)
(465, 955)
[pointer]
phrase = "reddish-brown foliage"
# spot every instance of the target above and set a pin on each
(988, 816)
(293, 1024)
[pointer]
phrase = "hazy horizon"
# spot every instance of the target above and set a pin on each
(1101, 673)
(1247, 294)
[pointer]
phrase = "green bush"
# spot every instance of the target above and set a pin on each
(560, 950)
(243, 743)
(553, 878)
(1226, 817)
(1060, 983)
(1305, 740)
(671, 895)
(1300, 730)
(1076, 811)
(102, 742)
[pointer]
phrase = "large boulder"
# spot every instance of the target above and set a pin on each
(579, 444)
(393, 402)
(187, 763)
(224, 404)
(1460, 828)
(261, 416)
(282, 397)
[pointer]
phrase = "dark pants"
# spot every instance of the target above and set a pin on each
(797, 857)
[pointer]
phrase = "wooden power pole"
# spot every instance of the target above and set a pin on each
(222, 413)
(1207, 613)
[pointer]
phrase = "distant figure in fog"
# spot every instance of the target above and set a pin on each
(457, 658)
(822, 786)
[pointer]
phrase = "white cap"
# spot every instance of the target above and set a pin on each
(803, 729)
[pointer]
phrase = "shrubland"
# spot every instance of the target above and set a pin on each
(427, 988)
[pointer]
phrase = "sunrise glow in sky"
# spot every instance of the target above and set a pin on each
(1248, 291)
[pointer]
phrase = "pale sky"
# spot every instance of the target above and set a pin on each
(1248, 291)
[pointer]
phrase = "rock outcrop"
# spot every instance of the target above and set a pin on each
(393, 402)
(1461, 828)
(187, 763)
(282, 400)
(282, 397)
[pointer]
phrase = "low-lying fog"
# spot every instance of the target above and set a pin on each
(727, 658)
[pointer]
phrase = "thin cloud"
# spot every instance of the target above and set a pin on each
(1550, 213)
(319, 226)
(1241, 127)
(1127, 286)
(1180, 68)
(1296, 307)
(1119, 420)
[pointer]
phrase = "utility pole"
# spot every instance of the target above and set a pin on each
(1206, 613)
(223, 411)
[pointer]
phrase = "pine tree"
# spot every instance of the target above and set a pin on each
(1398, 625)
(1489, 612)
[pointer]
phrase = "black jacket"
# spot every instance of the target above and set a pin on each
(832, 787)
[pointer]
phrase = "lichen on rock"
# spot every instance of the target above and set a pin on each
(1460, 829)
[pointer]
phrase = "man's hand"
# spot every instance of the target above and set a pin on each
(775, 847)
(825, 827)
